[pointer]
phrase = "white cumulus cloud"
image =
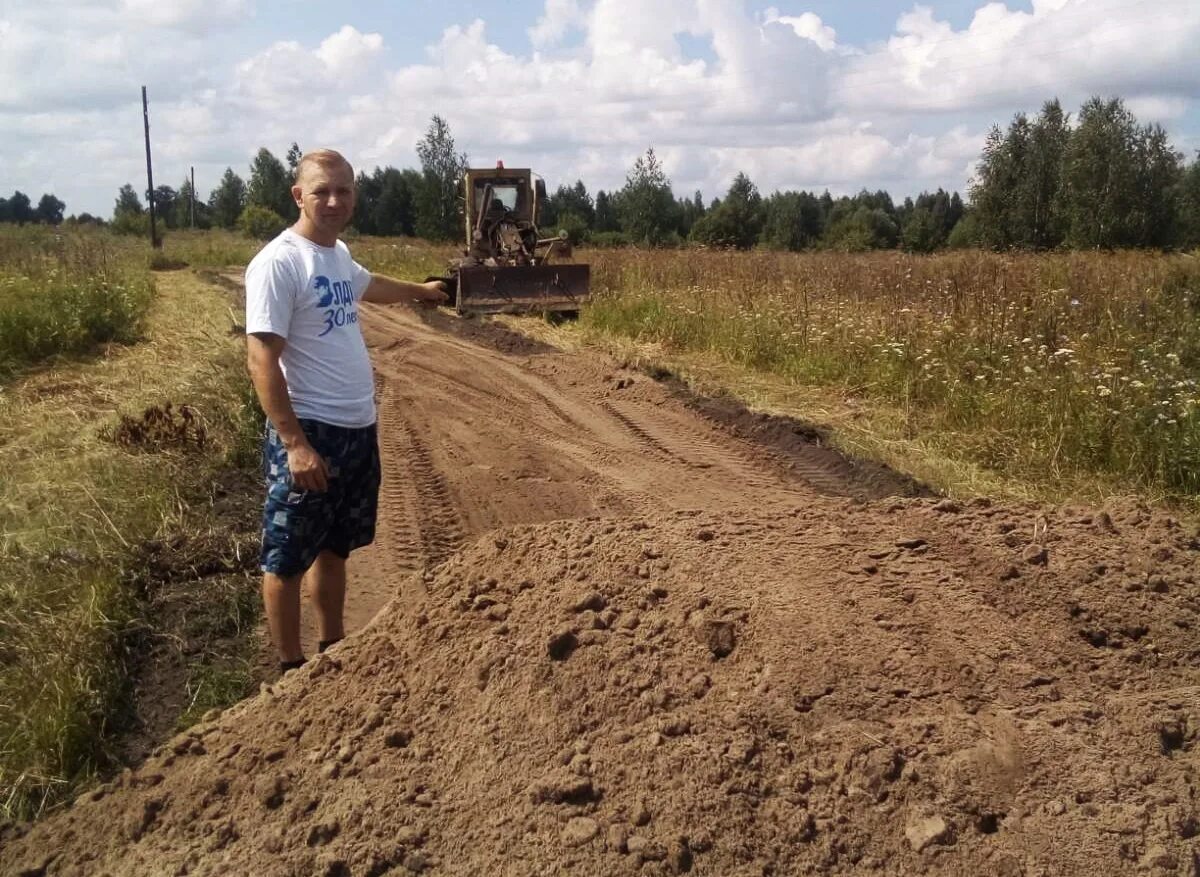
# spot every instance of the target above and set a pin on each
(716, 86)
(559, 17)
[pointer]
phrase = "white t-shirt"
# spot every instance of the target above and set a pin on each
(308, 294)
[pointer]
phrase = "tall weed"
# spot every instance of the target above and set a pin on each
(65, 293)
(1028, 364)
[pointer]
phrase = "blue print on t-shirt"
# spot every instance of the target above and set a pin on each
(338, 298)
(322, 283)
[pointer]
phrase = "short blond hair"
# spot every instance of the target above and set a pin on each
(321, 158)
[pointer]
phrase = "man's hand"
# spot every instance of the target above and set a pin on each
(435, 293)
(308, 468)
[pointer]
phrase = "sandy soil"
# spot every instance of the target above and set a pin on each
(629, 632)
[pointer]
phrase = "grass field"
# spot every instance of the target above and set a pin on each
(66, 293)
(91, 483)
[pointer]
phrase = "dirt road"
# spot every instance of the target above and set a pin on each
(629, 632)
(483, 428)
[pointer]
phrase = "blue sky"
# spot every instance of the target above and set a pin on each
(837, 95)
(410, 26)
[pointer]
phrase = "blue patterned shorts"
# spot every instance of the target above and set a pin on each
(300, 524)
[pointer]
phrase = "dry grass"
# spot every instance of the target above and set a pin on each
(74, 509)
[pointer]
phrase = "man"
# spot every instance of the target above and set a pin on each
(309, 365)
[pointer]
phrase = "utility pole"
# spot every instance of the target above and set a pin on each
(154, 241)
(192, 201)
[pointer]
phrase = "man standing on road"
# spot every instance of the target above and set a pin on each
(309, 365)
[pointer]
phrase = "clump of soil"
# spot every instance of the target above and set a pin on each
(915, 686)
(160, 427)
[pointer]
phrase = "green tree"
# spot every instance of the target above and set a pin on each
(1100, 186)
(164, 205)
(792, 220)
(366, 197)
(16, 209)
(922, 232)
(862, 228)
(574, 200)
(49, 210)
(1159, 171)
(260, 222)
(1038, 192)
(437, 205)
(646, 207)
(129, 216)
(271, 186)
(182, 213)
(606, 214)
(228, 200)
(691, 211)
(19, 209)
(293, 160)
(965, 233)
(386, 203)
(128, 202)
(1000, 173)
(1187, 201)
(737, 221)
(84, 218)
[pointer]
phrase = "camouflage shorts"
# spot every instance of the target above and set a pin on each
(300, 524)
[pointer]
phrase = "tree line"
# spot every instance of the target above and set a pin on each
(19, 209)
(1102, 181)
(390, 202)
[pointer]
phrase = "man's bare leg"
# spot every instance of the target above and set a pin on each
(281, 599)
(327, 581)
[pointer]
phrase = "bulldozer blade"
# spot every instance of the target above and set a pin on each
(520, 290)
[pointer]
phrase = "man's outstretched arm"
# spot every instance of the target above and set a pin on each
(388, 290)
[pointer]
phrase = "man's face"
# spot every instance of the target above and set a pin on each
(325, 195)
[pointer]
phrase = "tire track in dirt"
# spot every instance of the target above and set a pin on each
(714, 457)
(415, 496)
(400, 530)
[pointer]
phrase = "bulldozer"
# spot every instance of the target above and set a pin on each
(507, 266)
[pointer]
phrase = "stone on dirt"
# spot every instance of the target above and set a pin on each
(579, 830)
(924, 831)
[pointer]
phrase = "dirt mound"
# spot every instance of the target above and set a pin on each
(905, 687)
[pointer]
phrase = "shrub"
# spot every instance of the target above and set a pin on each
(137, 224)
(261, 222)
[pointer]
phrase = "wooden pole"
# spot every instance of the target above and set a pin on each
(192, 202)
(154, 241)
